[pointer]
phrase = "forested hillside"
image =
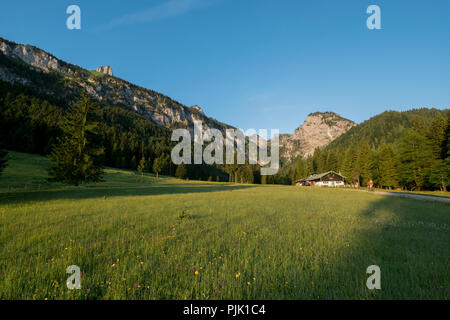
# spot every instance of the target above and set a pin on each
(386, 127)
(30, 122)
(408, 150)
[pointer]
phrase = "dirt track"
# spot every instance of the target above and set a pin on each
(413, 196)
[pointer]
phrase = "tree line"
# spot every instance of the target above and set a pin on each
(34, 123)
(380, 149)
(418, 160)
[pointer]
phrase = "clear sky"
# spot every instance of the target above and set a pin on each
(255, 63)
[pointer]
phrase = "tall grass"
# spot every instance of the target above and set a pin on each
(143, 238)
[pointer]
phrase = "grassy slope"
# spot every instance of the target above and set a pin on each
(267, 242)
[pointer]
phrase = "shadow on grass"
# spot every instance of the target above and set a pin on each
(408, 239)
(91, 192)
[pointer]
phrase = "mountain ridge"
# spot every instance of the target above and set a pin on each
(317, 131)
(105, 88)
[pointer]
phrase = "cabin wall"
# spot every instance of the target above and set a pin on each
(329, 183)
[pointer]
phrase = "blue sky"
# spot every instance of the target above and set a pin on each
(255, 63)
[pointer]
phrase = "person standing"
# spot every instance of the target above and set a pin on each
(370, 185)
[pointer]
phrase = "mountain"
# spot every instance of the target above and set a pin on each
(318, 130)
(386, 127)
(408, 150)
(35, 68)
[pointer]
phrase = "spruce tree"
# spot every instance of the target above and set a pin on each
(363, 163)
(439, 175)
(299, 169)
(142, 165)
(388, 171)
(76, 156)
(437, 135)
(181, 172)
(160, 163)
(340, 155)
(416, 158)
(332, 161)
(319, 161)
(348, 166)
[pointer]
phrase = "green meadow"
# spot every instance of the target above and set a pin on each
(140, 237)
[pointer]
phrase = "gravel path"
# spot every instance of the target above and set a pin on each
(414, 196)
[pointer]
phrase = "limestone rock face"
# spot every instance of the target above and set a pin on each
(29, 55)
(318, 130)
(106, 70)
(198, 109)
(71, 80)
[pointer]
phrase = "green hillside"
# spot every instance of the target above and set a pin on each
(396, 150)
(385, 128)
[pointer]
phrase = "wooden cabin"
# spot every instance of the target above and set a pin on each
(327, 179)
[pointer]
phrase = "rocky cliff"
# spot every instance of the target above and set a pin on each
(318, 130)
(106, 70)
(45, 73)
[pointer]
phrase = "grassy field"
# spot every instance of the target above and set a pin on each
(142, 238)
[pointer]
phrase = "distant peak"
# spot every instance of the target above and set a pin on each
(105, 69)
(198, 109)
(324, 114)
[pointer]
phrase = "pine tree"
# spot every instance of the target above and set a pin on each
(181, 172)
(309, 167)
(332, 161)
(416, 158)
(388, 171)
(348, 167)
(363, 163)
(299, 169)
(319, 161)
(340, 155)
(159, 164)
(142, 165)
(437, 136)
(439, 175)
(76, 155)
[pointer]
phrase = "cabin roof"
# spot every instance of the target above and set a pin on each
(317, 176)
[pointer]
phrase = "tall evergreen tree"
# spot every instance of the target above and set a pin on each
(332, 161)
(375, 164)
(349, 164)
(319, 161)
(181, 172)
(309, 166)
(439, 175)
(76, 156)
(142, 165)
(340, 155)
(363, 163)
(299, 169)
(437, 136)
(160, 164)
(416, 158)
(388, 171)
